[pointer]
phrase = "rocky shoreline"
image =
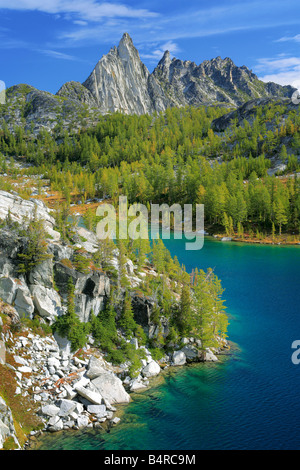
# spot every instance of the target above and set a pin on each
(77, 391)
(67, 388)
(60, 414)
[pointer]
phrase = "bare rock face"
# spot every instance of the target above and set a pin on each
(77, 92)
(214, 81)
(46, 301)
(119, 81)
(7, 428)
(17, 208)
(91, 290)
(142, 308)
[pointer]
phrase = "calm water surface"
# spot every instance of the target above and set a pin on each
(251, 399)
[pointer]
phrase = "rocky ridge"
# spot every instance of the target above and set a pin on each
(34, 110)
(120, 82)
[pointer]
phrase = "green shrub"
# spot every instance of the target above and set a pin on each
(116, 356)
(157, 353)
(127, 321)
(81, 262)
(35, 251)
(73, 329)
(69, 325)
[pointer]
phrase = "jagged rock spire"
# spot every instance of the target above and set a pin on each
(121, 82)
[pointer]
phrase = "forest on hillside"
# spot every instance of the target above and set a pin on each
(176, 157)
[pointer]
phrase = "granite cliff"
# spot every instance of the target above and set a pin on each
(120, 82)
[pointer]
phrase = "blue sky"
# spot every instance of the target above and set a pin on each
(48, 42)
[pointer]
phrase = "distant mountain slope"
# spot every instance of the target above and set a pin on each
(33, 110)
(213, 81)
(121, 82)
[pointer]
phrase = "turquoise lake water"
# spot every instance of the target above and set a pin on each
(251, 398)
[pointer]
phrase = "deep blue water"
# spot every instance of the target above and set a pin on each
(251, 399)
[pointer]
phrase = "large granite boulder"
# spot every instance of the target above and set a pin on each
(191, 353)
(111, 388)
(15, 292)
(66, 407)
(23, 303)
(151, 369)
(6, 266)
(92, 396)
(178, 358)
(42, 274)
(91, 290)
(88, 240)
(209, 356)
(95, 368)
(63, 344)
(47, 302)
